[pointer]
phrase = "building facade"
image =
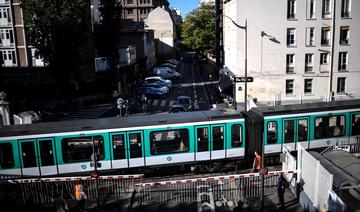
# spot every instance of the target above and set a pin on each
(137, 10)
(14, 51)
(161, 22)
(297, 50)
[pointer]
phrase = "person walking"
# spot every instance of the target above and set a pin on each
(60, 203)
(257, 162)
(80, 196)
(280, 187)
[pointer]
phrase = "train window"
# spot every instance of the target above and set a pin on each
(118, 146)
(218, 138)
(302, 130)
(272, 132)
(135, 145)
(202, 139)
(236, 135)
(355, 124)
(81, 149)
(289, 130)
(28, 154)
(169, 141)
(6, 156)
(46, 152)
(329, 126)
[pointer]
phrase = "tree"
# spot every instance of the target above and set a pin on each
(107, 32)
(198, 30)
(61, 31)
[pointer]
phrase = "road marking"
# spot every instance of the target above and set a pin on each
(197, 83)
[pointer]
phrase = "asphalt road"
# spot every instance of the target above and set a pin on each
(191, 84)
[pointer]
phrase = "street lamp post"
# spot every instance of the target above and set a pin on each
(244, 28)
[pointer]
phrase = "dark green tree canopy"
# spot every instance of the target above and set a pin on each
(198, 29)
(61, 31)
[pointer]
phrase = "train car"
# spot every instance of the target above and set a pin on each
(314, 125)
(80, 147)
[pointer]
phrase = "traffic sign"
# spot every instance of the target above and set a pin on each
(242, 79)
(120, 101)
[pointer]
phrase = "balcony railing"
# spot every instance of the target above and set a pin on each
(342, 67)
(345, 14)
(344, 41)
(291, 15)
(309, 69)
(325, 42)
(290, 70)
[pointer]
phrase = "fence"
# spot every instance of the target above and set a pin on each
(318, 181)
(101, 189)
(222, 189)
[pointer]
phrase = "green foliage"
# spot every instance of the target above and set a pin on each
(61, 31)
(198, 30)
(107, 31)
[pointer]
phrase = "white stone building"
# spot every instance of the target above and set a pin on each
(161, 22)
(309, 49)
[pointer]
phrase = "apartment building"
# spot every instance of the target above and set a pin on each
(298, 50)
(137, 10)
(14, 51)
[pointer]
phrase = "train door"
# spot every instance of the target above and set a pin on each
(355, 128)
(46, 158)
(119, 147)
(289, 132)
(202, 144)
(29, 158)
(218, 144)
(303, 131)
(295, 130)
(136, 149)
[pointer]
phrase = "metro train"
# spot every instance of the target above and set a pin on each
(136, 142)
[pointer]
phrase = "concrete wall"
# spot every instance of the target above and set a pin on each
(267, 59)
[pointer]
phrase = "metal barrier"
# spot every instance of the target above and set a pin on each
(101, 189)
(225, 190)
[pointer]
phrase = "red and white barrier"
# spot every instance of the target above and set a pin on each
(216, 178)
(61, 179)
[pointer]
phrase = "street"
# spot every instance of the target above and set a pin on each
(194, 83)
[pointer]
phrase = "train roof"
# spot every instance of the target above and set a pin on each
(116, 122)
(306, 108)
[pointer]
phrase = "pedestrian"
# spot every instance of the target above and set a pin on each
(280, 187)
(60, 203)
(257, 162)
(80, 195)
(299, 189)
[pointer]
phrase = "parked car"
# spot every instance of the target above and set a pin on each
(177, 109)
(173, 61)
(185, 101)
(153, 91)
(157, 79)
(170, 65)
(166, 73)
